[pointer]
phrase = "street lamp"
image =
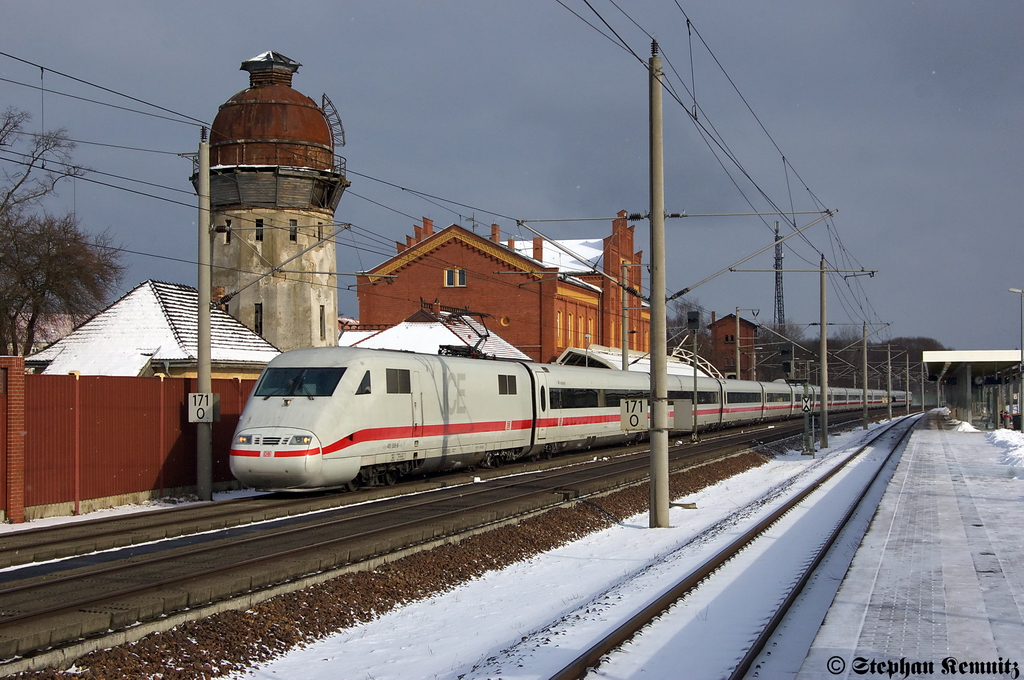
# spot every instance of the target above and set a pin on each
(1020, 369)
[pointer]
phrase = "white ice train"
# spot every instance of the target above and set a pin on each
(340, 416)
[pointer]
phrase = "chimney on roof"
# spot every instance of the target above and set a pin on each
(538, 248)
(496, 233)
(713, 318)
(428, 226)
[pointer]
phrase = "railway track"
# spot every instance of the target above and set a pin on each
(88, 536)
(705, 573)
(64, 608)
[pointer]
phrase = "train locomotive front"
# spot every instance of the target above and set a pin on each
(335, 417)
(289, 422)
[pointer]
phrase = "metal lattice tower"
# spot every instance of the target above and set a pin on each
(780, 308)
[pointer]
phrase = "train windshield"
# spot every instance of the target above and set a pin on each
(299, 382)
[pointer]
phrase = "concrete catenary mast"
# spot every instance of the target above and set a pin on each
(275, 182)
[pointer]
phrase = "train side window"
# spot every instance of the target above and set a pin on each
(364, 384)
(543, 400)
(506, 384)
(398, 381)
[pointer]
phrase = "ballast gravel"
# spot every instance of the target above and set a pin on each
(232, 641)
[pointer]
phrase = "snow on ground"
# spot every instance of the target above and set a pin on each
(468, 631)
(106, 513)
(1012, 444)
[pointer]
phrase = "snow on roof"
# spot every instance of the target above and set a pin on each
(154, 322)
(591, 251)
(426, 337)
(612, 358)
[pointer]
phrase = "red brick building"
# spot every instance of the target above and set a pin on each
(723, 347)
(539, 299)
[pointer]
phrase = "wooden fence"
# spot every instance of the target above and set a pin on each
(98, 441)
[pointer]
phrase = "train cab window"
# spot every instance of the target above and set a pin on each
(506, 384)
(364, 384)
(398, 381)
(299, 382)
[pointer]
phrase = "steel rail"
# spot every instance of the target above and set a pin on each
(449, 493)
(762, 639)
(79, 538)
(591, 657)
(628, 463)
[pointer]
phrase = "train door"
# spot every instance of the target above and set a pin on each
(417, 405)
(541, 405)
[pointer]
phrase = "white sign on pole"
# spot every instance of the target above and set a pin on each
(203, 407)
(633, 415)
(807, 405)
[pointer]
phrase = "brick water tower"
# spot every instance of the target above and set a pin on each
(275, 182)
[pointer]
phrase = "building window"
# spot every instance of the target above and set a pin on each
(454, 278)
(259, 230)
(227, 232)
(568, 329)
(558, 329)
(257, 318)
(323, 322)
(319, 231)
(293, 230)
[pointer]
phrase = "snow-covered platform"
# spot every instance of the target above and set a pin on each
(937, 586)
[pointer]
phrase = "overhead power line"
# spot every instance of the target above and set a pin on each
(196, 121)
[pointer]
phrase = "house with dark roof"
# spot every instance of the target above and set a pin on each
(152, 330)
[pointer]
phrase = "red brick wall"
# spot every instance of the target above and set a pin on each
(723, 346)
(13, 370)
(523, 307)
(514, 308)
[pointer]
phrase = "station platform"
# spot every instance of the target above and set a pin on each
(937, 585)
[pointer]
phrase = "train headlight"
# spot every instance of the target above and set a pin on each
(300, 440)
(245, 439)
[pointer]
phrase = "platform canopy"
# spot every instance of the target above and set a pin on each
(940, 365)
(975, 384)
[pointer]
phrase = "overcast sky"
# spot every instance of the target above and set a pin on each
(903, 116)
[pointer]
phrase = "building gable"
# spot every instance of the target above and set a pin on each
(455, 234)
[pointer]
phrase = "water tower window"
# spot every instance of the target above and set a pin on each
(227, 232)
(323, 323)
(259, 230)
(319, 231)
(293, 230)
(257, 318)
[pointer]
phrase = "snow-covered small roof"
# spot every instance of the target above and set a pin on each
(426, 337)
(154, 322)
(589, 250)
(611, 357)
